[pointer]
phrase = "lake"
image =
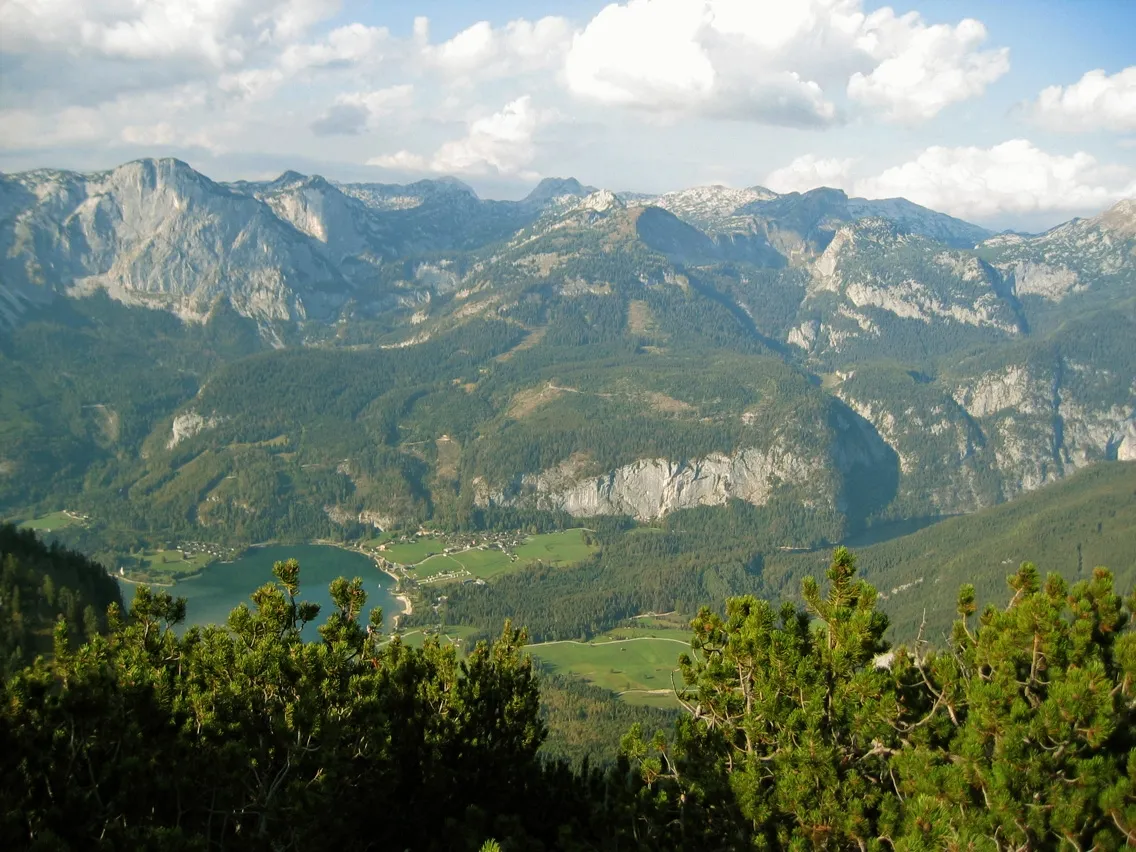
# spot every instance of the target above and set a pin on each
(220, 587)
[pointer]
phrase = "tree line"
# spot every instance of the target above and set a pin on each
(800, 729)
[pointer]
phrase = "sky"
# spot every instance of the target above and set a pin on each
(1013, 113)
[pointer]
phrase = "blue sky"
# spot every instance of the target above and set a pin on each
(1013, 114)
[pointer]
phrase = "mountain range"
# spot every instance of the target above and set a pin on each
(386, 354)
(158, 233)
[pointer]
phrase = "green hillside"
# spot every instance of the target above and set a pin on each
(40, 585)
(1069, 527)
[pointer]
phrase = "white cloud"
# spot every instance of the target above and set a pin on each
(402, 161)
(1095, 102)
(220, 33)
(128, 119)
(482, 51)
(251, 83)
(665, 55)
(81, 52)
(343, 46)
(25, 128)
(162, 133)
(924, 68)
(353, 112)
(501, 143)
(808, 172)
(773, 61)
(381, 101)
(166, 134)
(1014, 177)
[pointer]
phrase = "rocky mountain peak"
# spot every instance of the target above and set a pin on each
(445, 185)
(714, 207)
(1120, 219)
(149, 174)
(288, 178)
(600, 201)
(551, 188)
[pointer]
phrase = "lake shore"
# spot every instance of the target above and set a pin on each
(407, 606)
(123, 579)
(404, 600)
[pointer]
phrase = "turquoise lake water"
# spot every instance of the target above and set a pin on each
(220, 587)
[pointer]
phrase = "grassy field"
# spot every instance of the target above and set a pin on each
(664, 621)
(451, 635)
(637, 667)
(414, 552)
(486, 563)
(381, 538)
(560, 548)
(435, 565)
(48, 523)
(681, 634)
(171, 562)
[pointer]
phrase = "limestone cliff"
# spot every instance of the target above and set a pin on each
(157, 233)
(651, 487)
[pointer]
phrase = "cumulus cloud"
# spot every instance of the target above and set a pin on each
(219, 32)
(501, 143)
(71, 51)
(1015, 177)
(483, 51)
(1095, 102)
(772, 61)
(345, 45)
(126, 120)
(808, 172)
(402, 161)
(353, 112)
(342, 48)
(924, 69)
(667, 56)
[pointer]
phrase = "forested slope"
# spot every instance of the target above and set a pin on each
(1069, 527)
(40, 585)
(794, 735)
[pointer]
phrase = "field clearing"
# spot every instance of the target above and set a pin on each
(414, 552)
(621, 665)
(428, 561)
(172, 562)
(678, 634)
(456, 635)
(559, 548)
(664, 621)
(435, 565)
(49, 523)
(381, 538)
(485, 563)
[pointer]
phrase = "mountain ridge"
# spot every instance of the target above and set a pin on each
(970, 374)
(157, 232)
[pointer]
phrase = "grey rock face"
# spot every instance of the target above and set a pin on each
(1082, 254)
(157, 233)
(649, 488)
(187, 425)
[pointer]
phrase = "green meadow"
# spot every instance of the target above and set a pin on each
(427, 559)
(559, 548)
(49, 523)
(172, 562)
(640, 668)
(414, 552)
